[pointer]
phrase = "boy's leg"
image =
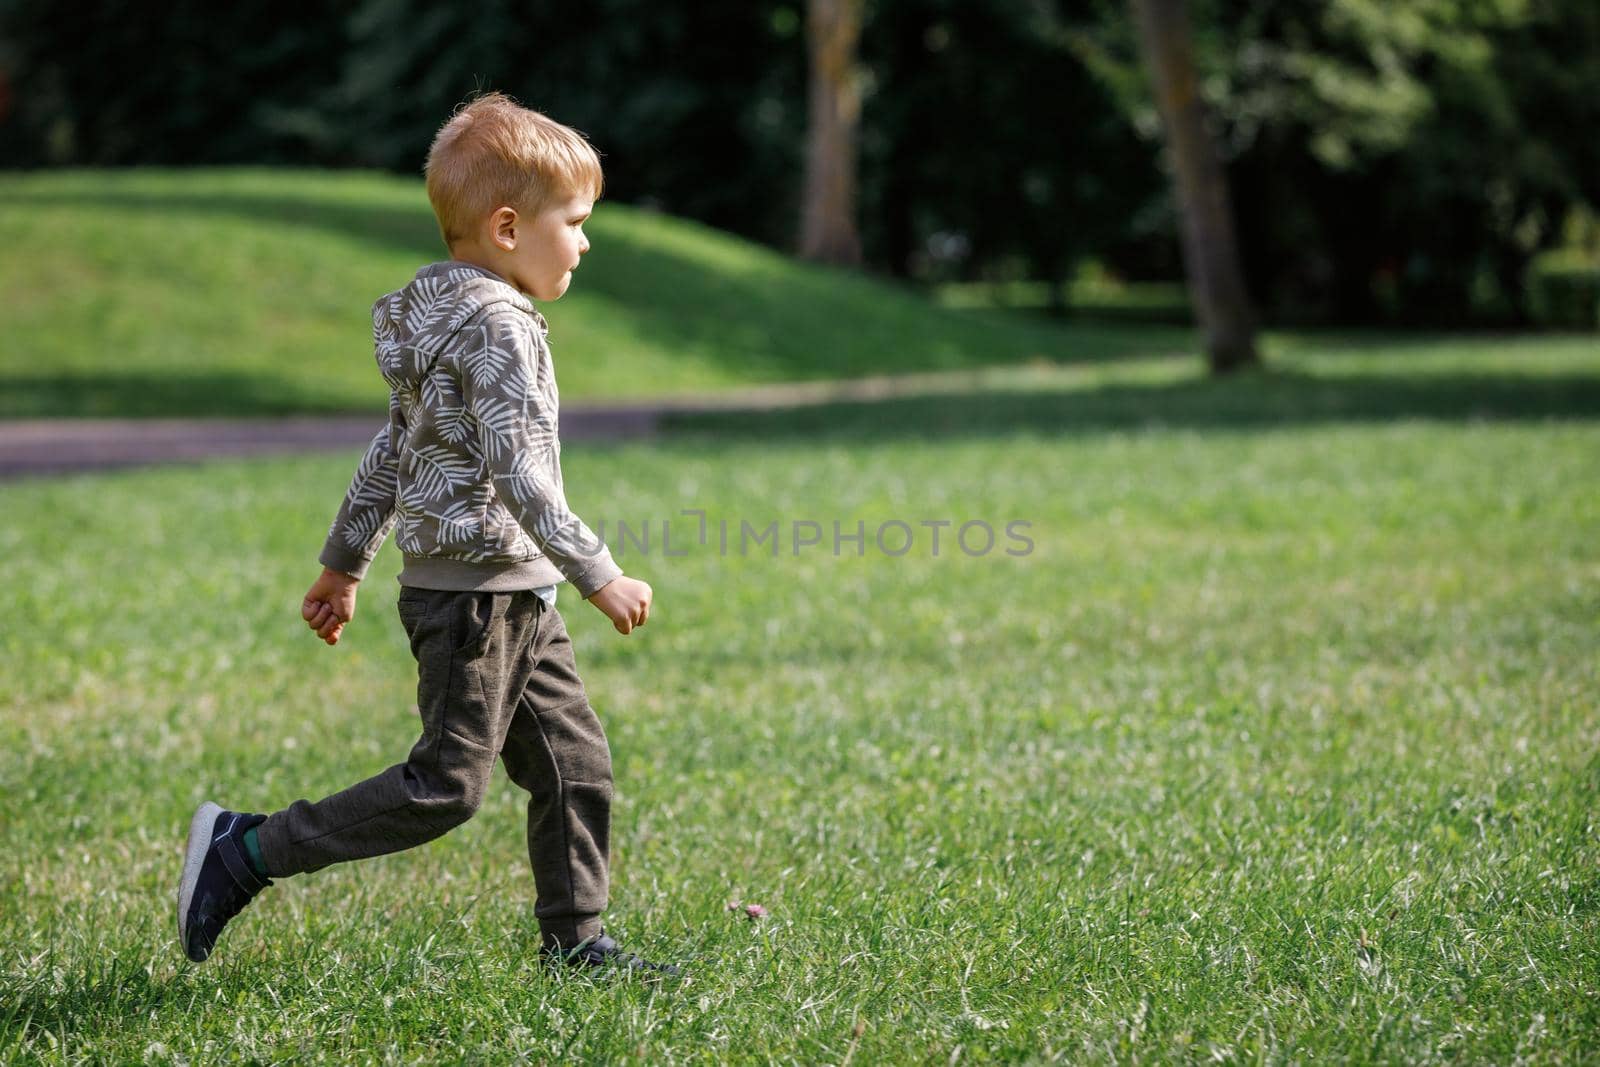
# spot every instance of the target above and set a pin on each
(557, 751)
(472, 662)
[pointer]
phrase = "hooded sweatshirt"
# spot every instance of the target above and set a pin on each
(468, 470)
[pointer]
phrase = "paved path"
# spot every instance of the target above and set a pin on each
(36, 447)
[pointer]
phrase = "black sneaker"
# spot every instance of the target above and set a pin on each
(602, 951)
(218, 880)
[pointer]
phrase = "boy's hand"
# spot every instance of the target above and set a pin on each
(329, 604)
(625, 601)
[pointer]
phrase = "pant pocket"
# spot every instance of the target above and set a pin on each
(473, 620)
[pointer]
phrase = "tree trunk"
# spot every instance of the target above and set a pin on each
(1210, 247)
(828, 211)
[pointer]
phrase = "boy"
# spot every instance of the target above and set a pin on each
(468, 468)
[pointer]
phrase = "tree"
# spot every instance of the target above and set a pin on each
(1210, 248)
(1394, 161)
(828, 231)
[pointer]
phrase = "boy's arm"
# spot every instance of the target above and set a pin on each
(501, 373)
(368, 512)
(365, 518)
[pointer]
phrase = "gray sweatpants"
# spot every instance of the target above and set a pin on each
(495, 678)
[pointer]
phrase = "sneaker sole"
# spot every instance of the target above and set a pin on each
(201, 827)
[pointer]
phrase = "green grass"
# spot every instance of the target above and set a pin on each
(239, 292)
(1279, 746)
(1306, 381)
(1090, 297)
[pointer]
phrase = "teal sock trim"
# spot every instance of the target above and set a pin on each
(252, 848)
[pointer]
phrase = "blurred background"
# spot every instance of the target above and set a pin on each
(1420, 162)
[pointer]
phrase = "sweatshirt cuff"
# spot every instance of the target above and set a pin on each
(336, 557)
(596, 573)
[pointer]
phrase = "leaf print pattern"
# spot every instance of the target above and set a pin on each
(516, 383)
(411, 506)
(497, 423)
(386, 343)
(454, 424)
(554, 523)
(528, 479)
(364, 529)
(430, 302)
(501, 531)
(376, 479)
(466, 307)
(457, 523)
(517, 435)
(432, 393)
(485, 360)
(367, 514)
(390, 361)
(469, 466)
(436, 471)
(412, 499)
(407, 396)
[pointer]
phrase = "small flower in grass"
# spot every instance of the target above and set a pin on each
(755, 911)
(735, 905)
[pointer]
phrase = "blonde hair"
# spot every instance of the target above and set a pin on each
(493, 152)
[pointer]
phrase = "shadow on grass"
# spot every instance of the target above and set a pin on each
(1255, 401)
(1263, 399)
(114, 990)
(171, 394)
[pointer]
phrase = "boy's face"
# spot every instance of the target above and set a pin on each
(545, 248)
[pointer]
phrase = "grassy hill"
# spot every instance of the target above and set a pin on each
(246, 291)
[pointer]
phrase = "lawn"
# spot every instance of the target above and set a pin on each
(1279, 745)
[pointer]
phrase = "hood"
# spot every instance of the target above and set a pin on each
(411, 325)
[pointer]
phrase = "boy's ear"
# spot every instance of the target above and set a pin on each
(503, 228)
